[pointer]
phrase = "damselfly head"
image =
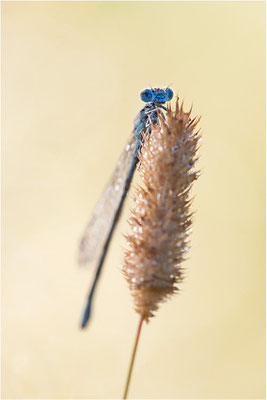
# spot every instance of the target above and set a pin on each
(159, 96)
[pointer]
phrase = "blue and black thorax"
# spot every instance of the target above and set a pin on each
(155, 98)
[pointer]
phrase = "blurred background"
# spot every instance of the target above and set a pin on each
(72, 74)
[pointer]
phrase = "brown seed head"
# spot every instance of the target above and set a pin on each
(161, 217)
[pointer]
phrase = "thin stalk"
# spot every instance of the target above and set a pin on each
(133, 358)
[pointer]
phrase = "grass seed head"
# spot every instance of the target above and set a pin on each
(161, 218)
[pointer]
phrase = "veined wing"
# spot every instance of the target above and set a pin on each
(97, 230)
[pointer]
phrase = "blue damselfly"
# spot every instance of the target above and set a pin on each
(99, 231)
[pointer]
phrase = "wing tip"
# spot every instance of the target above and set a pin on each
(83, 258)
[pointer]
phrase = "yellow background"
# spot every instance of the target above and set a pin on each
(72, 73)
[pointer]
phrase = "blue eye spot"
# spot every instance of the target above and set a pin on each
(146, 95)
(169, 93)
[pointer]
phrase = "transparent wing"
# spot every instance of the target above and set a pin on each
(96, 231)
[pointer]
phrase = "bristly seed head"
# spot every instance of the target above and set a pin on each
(161, 218)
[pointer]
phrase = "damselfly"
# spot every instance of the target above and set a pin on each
(99, 231)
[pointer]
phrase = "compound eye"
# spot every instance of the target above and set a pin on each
(146, 95)
(169, 93)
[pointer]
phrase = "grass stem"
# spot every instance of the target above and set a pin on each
(133, 358)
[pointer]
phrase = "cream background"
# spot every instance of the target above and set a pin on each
(72, 73)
